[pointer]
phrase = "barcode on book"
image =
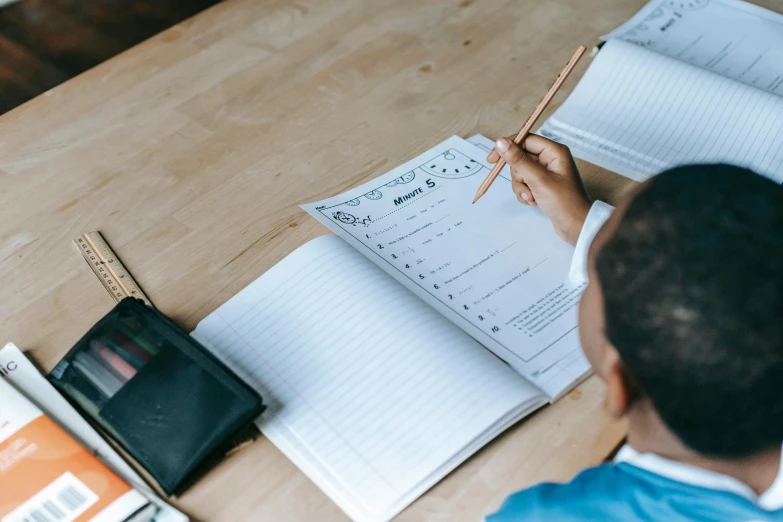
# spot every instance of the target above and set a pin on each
(61, 501)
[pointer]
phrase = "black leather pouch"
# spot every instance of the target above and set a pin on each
(161, 396)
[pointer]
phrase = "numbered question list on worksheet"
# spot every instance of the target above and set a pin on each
(496, 269)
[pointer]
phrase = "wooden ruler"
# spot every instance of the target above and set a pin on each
(112, 274)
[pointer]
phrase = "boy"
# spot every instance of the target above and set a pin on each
(683, 320)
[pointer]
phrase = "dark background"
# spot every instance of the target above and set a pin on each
(45, 42)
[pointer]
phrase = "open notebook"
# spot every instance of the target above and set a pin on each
(381, 349)
(681, 82)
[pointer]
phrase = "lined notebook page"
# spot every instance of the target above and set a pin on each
(733, 38)
(638, 112)
(374, 395)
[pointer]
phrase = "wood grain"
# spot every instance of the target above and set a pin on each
(531, 120)
(192, 152)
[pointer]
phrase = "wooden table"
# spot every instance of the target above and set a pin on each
(192, 152)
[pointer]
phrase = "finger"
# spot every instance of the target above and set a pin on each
(551, 155)
(511, 152)
(523, 193)
(523, 167)
(529, 203)
(535, 144)
(533, 157)
(494, 155)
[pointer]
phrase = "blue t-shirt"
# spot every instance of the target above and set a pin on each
(624, 492)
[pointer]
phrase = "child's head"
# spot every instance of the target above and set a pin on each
(684, 310)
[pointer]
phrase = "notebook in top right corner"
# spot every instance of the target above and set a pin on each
(681, 82)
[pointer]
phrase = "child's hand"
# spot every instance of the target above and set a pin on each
(544, 174)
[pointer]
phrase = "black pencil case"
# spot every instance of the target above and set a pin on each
(160, 395)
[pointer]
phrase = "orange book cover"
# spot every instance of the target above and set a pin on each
(46, 476)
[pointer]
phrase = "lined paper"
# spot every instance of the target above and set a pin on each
(638, 112)
(471, 263)
(374, 395)
(736, 39)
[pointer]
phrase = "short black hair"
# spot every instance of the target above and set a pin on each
(692, 283)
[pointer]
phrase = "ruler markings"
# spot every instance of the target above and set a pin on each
(110, 271)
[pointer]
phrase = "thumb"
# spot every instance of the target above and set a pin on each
(524, 169)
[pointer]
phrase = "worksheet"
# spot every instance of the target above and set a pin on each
(496, 269)
(736, 39)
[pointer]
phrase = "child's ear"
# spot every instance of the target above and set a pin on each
(619, 394)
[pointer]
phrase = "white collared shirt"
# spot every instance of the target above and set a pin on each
(597, 216)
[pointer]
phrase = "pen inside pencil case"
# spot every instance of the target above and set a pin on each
(136, 337)
(137, 356)
(117, 358)
(99, 376)
(85, 393)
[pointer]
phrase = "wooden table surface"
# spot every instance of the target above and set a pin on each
(192, 152)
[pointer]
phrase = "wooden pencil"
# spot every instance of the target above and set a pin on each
(531, 120)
